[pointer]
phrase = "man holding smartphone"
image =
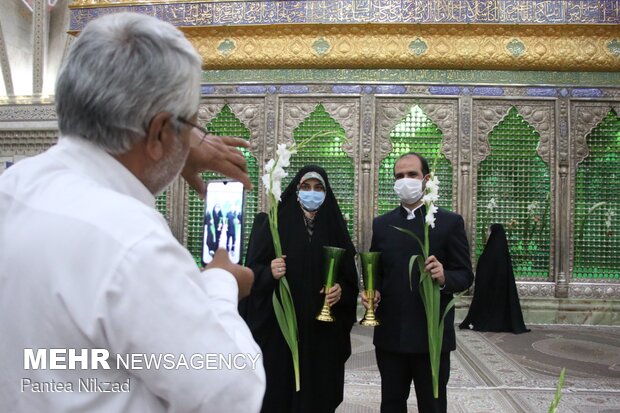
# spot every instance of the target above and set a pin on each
(86, 261)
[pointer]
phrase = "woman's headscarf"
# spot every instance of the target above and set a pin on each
(328, 212)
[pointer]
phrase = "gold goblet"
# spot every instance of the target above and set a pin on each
(332, 262)
(370, 268)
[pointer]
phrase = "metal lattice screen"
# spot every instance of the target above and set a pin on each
(224, 124)
(161, 203)
(597, 204)
(327, 152)
(513, 189)
(415, 133)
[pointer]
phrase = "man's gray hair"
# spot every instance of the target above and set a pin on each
(121, 71)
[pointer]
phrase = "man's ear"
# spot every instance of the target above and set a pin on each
(160, 135)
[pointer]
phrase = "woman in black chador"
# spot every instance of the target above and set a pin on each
(308, 219)
(495, 306)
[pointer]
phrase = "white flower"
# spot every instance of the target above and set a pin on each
(430, 198)
(273, 179)
(277, 190)
(432, 190)
(531, 208)
(491, 205)
(267, 183)
(284, 155)
(278, 174)
(608, 217)
(432, 185)
(346, 216)
(430, 220)
(269, 166)
(430, 215)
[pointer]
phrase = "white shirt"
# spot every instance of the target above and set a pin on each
(411, 212)
(87, 262)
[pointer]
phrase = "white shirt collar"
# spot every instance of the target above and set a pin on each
(411, 212)
(86, 157)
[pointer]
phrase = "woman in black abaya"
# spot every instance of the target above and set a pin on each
(306, 225)
(495, 306)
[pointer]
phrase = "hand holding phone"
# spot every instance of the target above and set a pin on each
(243, 275)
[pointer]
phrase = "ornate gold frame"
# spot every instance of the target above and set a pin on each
(406, 46)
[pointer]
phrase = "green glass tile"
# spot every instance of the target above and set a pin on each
(597, 204)
(161, 203)
(224, 124)
(415, 133)
(513, 189)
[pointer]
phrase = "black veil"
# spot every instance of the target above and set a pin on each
(495, 305)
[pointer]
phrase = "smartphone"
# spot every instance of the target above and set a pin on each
(223, 220)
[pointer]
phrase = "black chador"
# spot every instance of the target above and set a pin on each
(323, 347)
(495, 306)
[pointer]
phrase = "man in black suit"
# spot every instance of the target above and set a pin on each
(401, 343)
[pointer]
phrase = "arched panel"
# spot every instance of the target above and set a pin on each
(513, 184)
(597, 204)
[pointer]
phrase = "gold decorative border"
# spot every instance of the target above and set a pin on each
(400, 46)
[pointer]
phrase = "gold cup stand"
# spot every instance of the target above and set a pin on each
(370, 320)
(326, 313)
(333, 256)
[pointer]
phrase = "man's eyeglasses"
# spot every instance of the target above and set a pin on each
(193, 142)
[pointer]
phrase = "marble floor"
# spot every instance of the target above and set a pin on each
(501, 372)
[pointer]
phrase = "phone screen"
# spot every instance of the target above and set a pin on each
(223, 220)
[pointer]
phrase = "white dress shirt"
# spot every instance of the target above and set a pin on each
(411, 212)
(87, 262)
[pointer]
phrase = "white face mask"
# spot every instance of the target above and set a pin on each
(409, 190)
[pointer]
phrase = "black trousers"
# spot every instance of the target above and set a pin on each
(230, 246)
(399, 369)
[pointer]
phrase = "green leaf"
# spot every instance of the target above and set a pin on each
(281, 317)
(451, 304)
(558, 392)
(288, 303)
(287, 320)
(412, 261)
(430, 298)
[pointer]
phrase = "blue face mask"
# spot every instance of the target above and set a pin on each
(311, 200)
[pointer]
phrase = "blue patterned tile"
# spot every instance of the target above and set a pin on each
(391, 89)
(261, 12)
(587, 93)
(444, 90)
(347, 89)
(207, 89)
(294, 89)
(542, 91)
(250, 90)
(488, 91)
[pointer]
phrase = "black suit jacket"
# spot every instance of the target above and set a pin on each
(401, 312)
